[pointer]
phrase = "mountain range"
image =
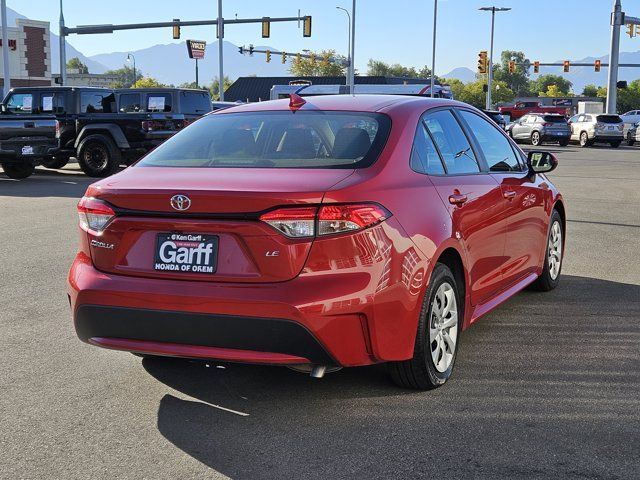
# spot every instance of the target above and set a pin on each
(170, 64)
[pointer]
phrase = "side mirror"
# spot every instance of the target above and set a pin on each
(3, 108)
(541, 162)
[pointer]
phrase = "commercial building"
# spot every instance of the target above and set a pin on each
(29, 54)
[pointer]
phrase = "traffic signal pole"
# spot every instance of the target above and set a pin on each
(617, 19)
(490, 72)
(220, 25)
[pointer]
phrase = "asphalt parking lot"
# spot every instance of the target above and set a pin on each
(546, 386)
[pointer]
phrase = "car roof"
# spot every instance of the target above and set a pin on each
(360, 103)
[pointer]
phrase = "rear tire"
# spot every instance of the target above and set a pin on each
(584, 140)
(437, 338)
(98, 156)
(631, 142)
(553, 257)
(615, 144)
(563, 143)
(536, 139)
(55, 162)
(18, 172)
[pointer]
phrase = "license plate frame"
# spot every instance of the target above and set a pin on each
(186, 253)
(27, 150)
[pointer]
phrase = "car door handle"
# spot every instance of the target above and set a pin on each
(457, 198)
(509, 194)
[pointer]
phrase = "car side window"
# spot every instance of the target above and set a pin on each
(424, 156)
(20, 103)
(51, 103)
(496, 148)
(97, 102)
(130, 103)
(159, 102)
(451, 142)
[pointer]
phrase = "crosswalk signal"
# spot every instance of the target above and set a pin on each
(268, 53)
(536, 67)
(306, 26)
(565, 66)
(512, 66)
(597, 65)
(266, 27)
(176, 29)
(284, 57)
(631, 30)
(482, 62)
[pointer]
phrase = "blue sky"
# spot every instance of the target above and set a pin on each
(393, 31)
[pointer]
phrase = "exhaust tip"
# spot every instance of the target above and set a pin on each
(318, 371)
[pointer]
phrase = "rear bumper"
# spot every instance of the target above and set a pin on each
(555, 136)
(304, 320)
(608, 137)
(13, 153)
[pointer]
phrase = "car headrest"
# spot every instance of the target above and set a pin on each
(351, 143)
(235, 141)
(298, 142)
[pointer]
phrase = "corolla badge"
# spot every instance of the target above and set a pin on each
(180, 202)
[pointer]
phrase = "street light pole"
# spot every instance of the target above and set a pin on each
(220, 47)
(493, 11)
(349, 47)
(5, 50)
(433, 53)
(63, 49)
(617, 19)
(131, 56)
(352, 73)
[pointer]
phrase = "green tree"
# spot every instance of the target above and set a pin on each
(382, 69)
(554, 91)
(147, 82)
(590, 91)
(76, 64)
(125, 76)
(318, 66)
(518, 81)
(540, 85)
(474, 94)
(628, 98)
(214, 88)
(457, 86)
(192, 85)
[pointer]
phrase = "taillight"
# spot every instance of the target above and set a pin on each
(599, 125)
(621, 127)
(292, 222)
(94, 214)
(57, 129)
(301, 222)
(151, 125)
(547, 124)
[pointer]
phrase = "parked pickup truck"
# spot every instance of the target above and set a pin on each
(105, 128)
(26, 141)
(522, 108)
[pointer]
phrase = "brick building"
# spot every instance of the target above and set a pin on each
(29, 54)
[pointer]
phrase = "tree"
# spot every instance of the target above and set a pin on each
(590, 91)
(457, 86)
(474, 94)
(125, 76)
(628, 98)
(147, 82)
(542, 83)
(518, 82)
(318, 66)
(192, 85)
(554, 91)
(76, 64)
(382, 69)
(214, 88)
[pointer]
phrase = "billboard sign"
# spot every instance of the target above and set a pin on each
(196, 48)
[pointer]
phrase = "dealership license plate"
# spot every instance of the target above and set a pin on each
(186, 253)
(27, 150)
(612, 128)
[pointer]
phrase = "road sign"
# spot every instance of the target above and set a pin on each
(196, 48)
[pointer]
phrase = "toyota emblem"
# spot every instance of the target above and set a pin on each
(180, 202)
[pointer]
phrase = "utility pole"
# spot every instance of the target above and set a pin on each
(220, 48)
(493, 11)
(352, 64)
(5, 49)
(433, 53)
(63, 49)
(617, 19)
(348, 77)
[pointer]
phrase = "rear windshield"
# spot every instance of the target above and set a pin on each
(608, 119)
(276, 140)
(554, 119)
(195, 102)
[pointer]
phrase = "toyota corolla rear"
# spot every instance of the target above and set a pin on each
(221, 243)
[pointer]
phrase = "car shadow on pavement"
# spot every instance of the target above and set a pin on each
(547, 385)
(70, 182)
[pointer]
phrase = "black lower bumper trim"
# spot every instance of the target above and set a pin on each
(224, 331)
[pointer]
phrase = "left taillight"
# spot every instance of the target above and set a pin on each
(94, 214)
(57, 129)
(306, 222)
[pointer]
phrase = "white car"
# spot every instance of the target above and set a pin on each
(630, 119)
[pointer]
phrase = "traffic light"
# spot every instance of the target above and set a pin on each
(631, 30)
(306, 26)
(176, 29)
(565, 66)
(241, 50)
(482, 62)
(512, 66)
(597, 65)
(251, 50)
(268, 53)
(284, 57)
(266, 27)
(536, 67)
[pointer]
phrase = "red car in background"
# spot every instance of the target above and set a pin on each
(333, 232)
(520, 109)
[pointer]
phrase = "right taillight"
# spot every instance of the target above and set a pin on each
(94, 214)
(302, 222)
(57, 129)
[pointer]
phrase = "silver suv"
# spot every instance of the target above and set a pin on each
(538, 127)
(589, 128)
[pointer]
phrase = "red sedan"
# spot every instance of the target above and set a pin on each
(318, 234)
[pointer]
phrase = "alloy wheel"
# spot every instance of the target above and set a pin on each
(97, 157)
(535, 139)
(555, 250)
(443, 327)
